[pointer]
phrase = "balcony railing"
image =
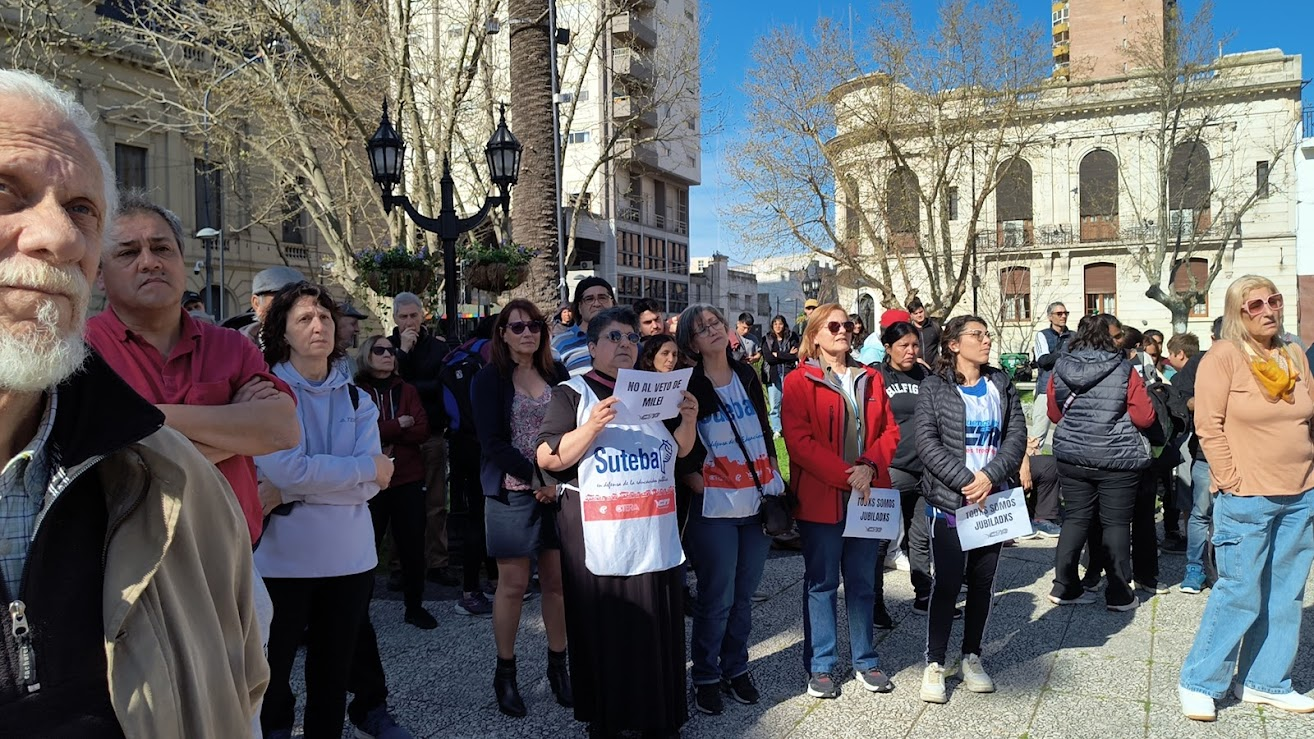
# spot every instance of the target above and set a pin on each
(628, 27)
(630, 63)
(638, 108)
(1191, 224)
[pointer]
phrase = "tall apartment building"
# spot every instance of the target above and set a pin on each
(1091, 37)
(630, 133)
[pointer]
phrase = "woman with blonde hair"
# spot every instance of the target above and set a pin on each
(1253, 405)
(841, 437)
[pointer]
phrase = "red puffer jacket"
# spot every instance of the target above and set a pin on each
(812, 414)
(396, 399)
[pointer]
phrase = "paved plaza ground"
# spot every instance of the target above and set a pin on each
(1061, 672)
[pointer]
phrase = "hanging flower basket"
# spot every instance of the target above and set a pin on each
(389, 270)
(389, 282)
(496, 277)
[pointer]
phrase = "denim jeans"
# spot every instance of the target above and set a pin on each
(1251, 625)
(825, 554)
(1197, 526)
(728, 556)
(774, 394)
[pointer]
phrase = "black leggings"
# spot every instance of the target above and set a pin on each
(464, 464)
(952, 567)
(916, 531)
(402, 508)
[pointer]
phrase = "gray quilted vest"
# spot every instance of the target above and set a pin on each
(1090, 387)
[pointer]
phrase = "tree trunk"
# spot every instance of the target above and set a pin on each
(534, 200)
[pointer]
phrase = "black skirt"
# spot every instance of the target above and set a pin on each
(626, 637)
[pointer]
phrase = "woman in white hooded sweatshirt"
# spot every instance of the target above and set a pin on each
(317, 553)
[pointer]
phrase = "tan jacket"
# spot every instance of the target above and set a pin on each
(183, 645)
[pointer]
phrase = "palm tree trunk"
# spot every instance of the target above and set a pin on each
(534, 200)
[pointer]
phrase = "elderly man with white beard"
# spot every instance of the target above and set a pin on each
(124, 561)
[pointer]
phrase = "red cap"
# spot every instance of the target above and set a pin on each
(891, 317)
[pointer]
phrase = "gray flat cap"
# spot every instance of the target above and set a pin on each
(350, 311)
(274, 279)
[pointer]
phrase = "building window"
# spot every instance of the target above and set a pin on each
(207, 181)
(953, 203)
(629, 250)
(1013, 203)
(295, 220)
(1192, 275)
(678, 299)
(130, 166)
(679, 258)
(583, 96)
(902, 212)
(1188, 189)
(852, 221)
(655, 250)
(1261, 179)
(627, 289)
(1015, 291)
(577, 137)
(1101, 282)
(1098, 178)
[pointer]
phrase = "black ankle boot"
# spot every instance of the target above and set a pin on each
(559, 678)
(508, 693)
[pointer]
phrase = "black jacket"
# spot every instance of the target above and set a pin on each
(940, 427)
(929, 335)
(779, 357)
(705, 392)
(492, 393)
(420, 367)
(902, 389)
(96, 415)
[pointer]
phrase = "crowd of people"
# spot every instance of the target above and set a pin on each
(184, 506)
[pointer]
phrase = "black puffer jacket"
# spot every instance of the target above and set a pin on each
(940, 425)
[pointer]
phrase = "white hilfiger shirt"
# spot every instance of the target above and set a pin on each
(627, 495)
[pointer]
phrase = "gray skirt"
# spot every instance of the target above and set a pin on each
(517, 525)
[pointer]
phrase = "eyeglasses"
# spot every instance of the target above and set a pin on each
(709, 327)
(616, 337)
(602, 298)
(379, 350)
(978, 334)
(807, 308)
(1059, 313)
(518, 327)
(1256, 306)
(835, 327)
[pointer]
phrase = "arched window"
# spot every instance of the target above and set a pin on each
(1015, 294)
(1013, 203)
(1098, 178)
(867, 309)
(1188, 188)
(1101, 287)
(902, 207)
(1195, 269)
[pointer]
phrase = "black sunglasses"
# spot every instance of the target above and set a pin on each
(518, 327)
(835, 326)
(379, 350)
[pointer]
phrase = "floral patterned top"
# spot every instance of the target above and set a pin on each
(526, 418)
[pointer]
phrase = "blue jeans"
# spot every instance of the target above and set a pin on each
(1197, 525)
(728, 556)
(825, 553)
(1251, 625)
(774, 394)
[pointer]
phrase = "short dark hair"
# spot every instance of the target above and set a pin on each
(501, 354)
(1217, 331)
(644, 305)
(273, 333)
(746, 317)
(1153, 334)
(915, 305)
(1093, 333)
(615, 314)
(583, 285)
(1132, 338)
(898, 330)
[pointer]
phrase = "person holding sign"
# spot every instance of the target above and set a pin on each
(971, 435)
(841, 437)
(1100, 405)
(622, 566)
(724, 534)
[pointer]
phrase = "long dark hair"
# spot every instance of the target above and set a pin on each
(1093, 333)
(652, 345)
(946, 363)
(501, 353)
(772, 330)
(273, 332)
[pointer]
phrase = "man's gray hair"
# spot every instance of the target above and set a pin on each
(31, 87)
(135, 201)
(1049, 309)
(402, 299)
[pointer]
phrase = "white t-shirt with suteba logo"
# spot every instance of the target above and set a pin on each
(985, 422)
(725, 470)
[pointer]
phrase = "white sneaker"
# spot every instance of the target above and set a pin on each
(975, 678)
(1082, 599)
(1196, 706)
(1293, 701)
(898, 561)
(933, 690)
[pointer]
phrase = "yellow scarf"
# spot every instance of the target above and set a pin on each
(1276, 374)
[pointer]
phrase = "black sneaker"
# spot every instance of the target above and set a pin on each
(442, 576)
(922, 607)
(881, 617)
(420, 618)
(822, 685)
(707, 699)
(741, 689)
(1174, 543)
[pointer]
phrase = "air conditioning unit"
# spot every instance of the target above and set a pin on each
(585, 264)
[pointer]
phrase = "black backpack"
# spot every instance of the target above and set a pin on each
(1170, 415)
(457, 375)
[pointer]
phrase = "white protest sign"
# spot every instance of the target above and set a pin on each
(881, 517)
(649, 396)
(1004, 517)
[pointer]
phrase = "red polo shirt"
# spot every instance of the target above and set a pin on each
(207, 367)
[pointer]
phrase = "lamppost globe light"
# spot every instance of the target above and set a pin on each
(207, 233)
(503, 152)
(386, 148)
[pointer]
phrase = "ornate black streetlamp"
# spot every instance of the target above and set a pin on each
(812, 287)
(386, 151)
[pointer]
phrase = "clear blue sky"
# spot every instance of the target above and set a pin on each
(733, 26)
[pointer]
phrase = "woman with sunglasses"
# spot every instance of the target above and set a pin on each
(621, 561)
(724, 534)
(841, 437)
(1253, 405)
(1100, 405)
(659, 353)
(512, 394)
(971, 435)
(403, 427)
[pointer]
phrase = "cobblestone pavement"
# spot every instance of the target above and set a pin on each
(1077, 671)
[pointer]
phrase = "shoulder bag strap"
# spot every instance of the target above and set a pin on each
(734, 427)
